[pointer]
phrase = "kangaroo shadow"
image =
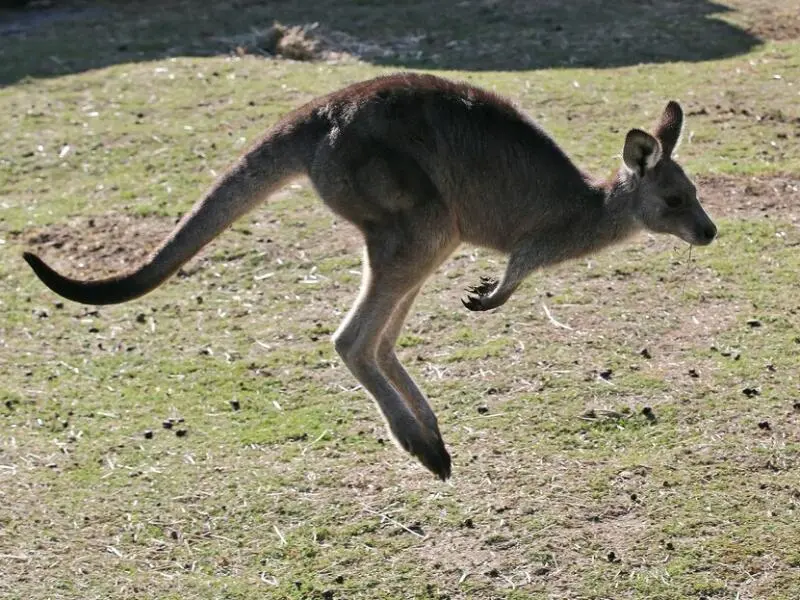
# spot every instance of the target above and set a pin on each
(469, 35)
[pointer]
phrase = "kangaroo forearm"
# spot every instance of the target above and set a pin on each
(493, 294)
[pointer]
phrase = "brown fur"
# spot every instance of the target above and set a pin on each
(419, 165)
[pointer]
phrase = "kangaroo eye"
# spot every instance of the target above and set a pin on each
(673, 201)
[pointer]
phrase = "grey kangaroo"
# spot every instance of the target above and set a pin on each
(420, 164)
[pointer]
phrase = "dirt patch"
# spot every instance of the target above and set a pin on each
(106, 244)
(776, 26)
(101, 244)
(311, 41)
(747, 197)
(298, 42)
(769, 20)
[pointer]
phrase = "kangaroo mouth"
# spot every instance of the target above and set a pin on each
(701, 236)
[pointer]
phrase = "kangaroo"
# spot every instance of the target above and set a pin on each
(419, 164)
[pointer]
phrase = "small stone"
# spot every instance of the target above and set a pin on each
(606, 374)
(751, 392)
(648, 413)
(754, 323)
(148, 434)
(612, 557)
(235, 405)
(167, 424)
(416, 528)
(645, 353)
(694, 373)
(482, 410)
(181, 432)
(141, 318)
(764, 425)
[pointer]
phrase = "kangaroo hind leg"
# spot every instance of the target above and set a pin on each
(397, 261)
(394, 370)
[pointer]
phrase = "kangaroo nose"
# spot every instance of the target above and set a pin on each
(709, 233)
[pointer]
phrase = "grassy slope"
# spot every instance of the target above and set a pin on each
(296, 494)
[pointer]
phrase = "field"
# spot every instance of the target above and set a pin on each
(626, 427)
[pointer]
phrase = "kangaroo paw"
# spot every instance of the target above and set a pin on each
(429, 449)
(478, 293)
(485, 287)
(435, 458)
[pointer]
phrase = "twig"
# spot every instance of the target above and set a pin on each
(510, 582)
(319, 437)
(280, 535)
(688, 271)
(393, 521)
(269, 579)
(553, 320)
(20, 557)
(475, 417)
(223, 538)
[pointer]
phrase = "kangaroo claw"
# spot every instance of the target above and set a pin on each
(477, 293)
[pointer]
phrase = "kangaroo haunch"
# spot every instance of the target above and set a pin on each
(420, 164)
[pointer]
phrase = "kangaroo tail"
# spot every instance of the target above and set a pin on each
(283, 154)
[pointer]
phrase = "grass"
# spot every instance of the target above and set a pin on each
(564, 485)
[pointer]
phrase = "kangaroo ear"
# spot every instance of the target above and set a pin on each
(668, 130)
(641, 152)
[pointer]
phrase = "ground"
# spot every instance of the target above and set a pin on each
(626, 427)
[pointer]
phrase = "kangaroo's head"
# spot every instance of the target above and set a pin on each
(665, 197)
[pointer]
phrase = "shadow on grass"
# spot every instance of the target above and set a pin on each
(470, 35)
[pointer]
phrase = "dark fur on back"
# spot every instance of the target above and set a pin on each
(449, 142)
